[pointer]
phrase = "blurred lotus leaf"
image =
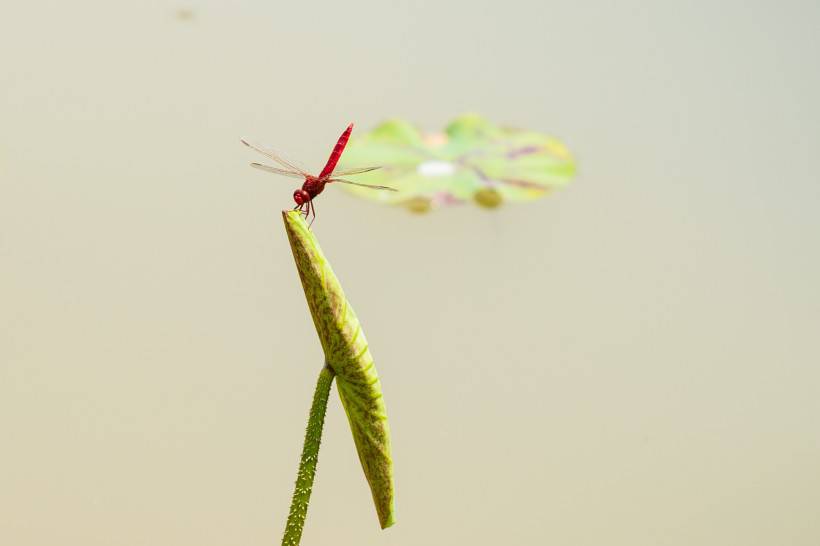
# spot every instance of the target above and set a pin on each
(347, 354)
(473, 160)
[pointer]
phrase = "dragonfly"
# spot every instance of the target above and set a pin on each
(314, 185)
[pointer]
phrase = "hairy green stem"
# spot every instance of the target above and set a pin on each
(310, 456)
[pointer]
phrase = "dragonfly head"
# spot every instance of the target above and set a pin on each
(301, 197)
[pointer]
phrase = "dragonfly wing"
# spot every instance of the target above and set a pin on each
(350, 172)
(274, 156)
(371, 186)
(283, 172)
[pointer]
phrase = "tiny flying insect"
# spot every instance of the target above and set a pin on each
(314, 185)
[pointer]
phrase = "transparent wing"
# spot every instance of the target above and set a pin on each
(271, 154)
(350, 172)
(371, 186)
(283, 172)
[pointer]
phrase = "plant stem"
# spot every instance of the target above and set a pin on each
(310, 456)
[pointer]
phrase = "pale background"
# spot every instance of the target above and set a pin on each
(632, 361)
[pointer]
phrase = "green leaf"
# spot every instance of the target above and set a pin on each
(472, 159)
(347, 354)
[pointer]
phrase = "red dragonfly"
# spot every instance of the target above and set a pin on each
(314, 185)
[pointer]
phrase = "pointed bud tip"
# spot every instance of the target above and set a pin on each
(389, 521)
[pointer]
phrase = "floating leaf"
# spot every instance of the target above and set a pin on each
(473, 160)
(347, 354)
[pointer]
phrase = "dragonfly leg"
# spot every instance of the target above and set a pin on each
(312, 207)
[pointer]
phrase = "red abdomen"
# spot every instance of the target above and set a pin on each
(336, 153)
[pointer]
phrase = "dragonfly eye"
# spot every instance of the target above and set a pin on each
(301, 197)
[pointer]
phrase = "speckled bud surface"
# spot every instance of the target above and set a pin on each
(347, 354)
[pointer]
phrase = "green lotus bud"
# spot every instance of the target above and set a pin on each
(488, 197)
(347, 354)
(419, 205)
